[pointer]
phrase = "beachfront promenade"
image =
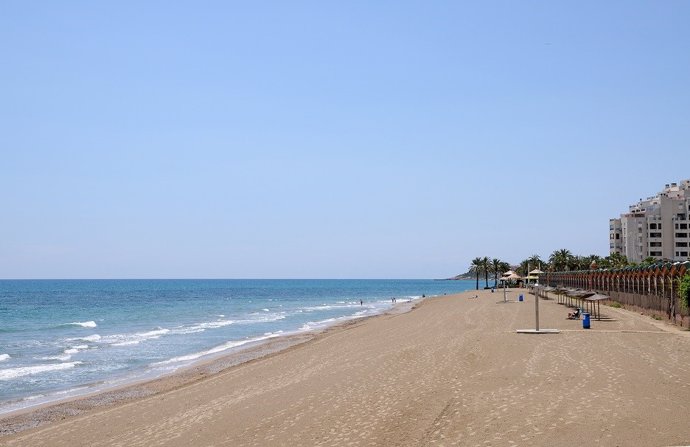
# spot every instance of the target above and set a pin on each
(451, 372)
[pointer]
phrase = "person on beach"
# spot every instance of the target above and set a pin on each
(361, 302)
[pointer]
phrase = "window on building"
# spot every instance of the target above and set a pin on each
(683, 235)
(684, 253)
(684, 226)
(618, 236)
(652, 226)
(655, 244)
(655, 234)
(681, 244)
(654, 253)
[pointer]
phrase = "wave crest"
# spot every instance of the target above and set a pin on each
(13, 373)
(87, 324)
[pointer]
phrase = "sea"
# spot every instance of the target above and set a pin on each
(64, 338)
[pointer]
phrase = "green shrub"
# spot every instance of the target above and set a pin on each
(684, 290)
(616, 304)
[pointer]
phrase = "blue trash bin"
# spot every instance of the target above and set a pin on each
(521, 298)
(585, 320)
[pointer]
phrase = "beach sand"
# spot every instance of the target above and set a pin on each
(453, 371)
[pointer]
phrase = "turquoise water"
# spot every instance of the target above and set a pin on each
(60, 336)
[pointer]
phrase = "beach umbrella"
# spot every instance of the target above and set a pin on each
(560, 291)
(534, 274)
(507, 277)
(573, 294)
(596, 301)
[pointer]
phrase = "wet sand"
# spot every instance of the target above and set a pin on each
(453, 371)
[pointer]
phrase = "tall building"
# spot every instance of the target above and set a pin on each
(656, 227)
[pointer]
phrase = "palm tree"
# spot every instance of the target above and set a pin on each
(498, 267)
(523, 268)
(534, 260)
(594, 259)
(561, 259)
(615, 260)
(476, 268)
(495, 267)
(486, 266)
(649, 260)
(529, 264)
(579, 263)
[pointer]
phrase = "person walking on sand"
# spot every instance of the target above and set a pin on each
(361, 302)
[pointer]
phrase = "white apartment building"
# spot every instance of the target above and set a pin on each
(657, 227)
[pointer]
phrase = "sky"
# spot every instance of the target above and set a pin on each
(351, 139)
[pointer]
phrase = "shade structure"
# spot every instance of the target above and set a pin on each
(577, 295)
(510, 276)
(596, 300)
(546, 290)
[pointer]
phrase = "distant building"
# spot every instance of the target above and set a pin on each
(656, 227)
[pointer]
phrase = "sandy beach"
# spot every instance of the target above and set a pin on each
(452, 371)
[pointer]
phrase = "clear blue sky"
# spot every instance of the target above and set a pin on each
(330, 139)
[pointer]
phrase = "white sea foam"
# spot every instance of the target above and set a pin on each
(262, 318)
(213, 324)
(322, 324)
(187, 330)
(87, 324)
(91, 338)
(75, 349)
(62, 357)
(330, 307)
(201, 327)
(13, 373)
(4, 357)
(216, 349)
(133, 339)
(312, 325)
(66, 354)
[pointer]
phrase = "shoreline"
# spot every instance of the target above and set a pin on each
(104, 395)
(451, 372)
